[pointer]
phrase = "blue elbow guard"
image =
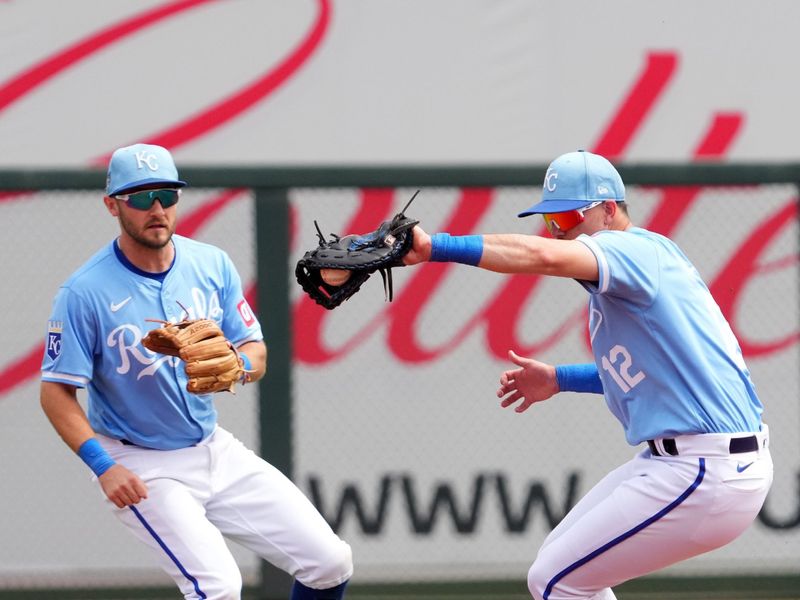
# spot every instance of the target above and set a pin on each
(579, 378)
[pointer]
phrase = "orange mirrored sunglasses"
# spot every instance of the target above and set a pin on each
(564, 221)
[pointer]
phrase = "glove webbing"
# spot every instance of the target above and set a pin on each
(386, 276)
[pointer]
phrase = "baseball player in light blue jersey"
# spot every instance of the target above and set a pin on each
(671, 372)
(173, 476)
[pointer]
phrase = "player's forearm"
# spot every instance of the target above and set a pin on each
(60, 404)
(516, 253)
(536, 255)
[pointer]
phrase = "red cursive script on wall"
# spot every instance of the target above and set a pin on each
(499, 314)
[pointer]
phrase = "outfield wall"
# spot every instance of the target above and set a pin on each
(398, 437)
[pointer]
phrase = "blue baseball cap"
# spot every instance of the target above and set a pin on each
(141, 165)
(575, 180)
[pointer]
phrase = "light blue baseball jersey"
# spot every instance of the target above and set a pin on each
(667, 357)
(94, 336)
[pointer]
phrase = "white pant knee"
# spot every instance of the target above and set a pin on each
(540, 577)
(333, 568)
(537, 581)
(214, 586)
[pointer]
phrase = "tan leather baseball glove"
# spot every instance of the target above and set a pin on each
(211, 362)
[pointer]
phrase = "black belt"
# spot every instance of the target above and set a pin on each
(737, 446)
(125, 442)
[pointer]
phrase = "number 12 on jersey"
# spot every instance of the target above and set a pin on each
(622, 376)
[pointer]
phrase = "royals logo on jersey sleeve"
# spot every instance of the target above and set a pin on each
(54, 338)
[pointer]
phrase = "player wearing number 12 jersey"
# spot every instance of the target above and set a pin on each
(671, 372)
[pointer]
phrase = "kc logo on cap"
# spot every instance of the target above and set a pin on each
(141, 165)
(146, 159)
(550, 180)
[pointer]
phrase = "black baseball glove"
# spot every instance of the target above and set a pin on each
(337, 268)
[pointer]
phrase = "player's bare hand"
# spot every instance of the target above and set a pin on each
(421, 248)
(122, 487)
(534, 381)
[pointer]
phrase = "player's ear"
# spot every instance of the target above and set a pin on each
(609, 209)
(111, 205)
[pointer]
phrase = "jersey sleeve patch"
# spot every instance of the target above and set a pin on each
(54, 329)
(246, 313)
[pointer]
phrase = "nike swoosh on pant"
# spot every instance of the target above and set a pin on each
(741, 468)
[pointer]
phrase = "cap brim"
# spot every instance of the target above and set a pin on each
(555, 206)
(146, 182)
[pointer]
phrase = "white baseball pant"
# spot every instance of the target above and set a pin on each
(219, 488)
(650, 513)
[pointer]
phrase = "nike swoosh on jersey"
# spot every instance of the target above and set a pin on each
(116, 306)
(740, 467)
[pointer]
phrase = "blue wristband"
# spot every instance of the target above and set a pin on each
(247, 366)
(579, 378)
(466, 249)
(98, 460)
